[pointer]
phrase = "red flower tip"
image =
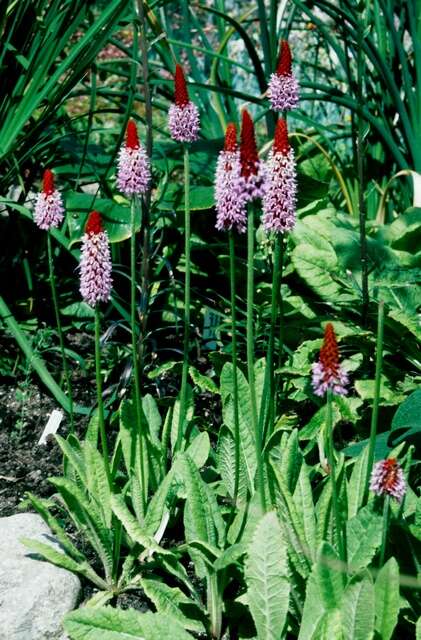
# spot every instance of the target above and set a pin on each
(181, 96)
(94, 224)
(48, 182)
(231, 138)
(280, 143)
(132, 139)
(248, 148)
(329, 353)
(284, 60)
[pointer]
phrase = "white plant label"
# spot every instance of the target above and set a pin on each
(416, 177)
(52, 426)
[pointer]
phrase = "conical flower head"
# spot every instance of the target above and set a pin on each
(183, 115)
(387, 479)
(133, 172)
(327, 372)
(283, 90)
(252, 170)
(49, 209)
(230, 197)
(95, 263)
(279, 199)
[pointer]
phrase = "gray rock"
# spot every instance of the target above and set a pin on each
(34, 595)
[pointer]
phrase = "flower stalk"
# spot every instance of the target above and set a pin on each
(234, 367)
(98, 377)
(332, 473)
(135, 351)
(186, 341)
(60, 329)
(376, 399)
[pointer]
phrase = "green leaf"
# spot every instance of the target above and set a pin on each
(364, 536)
(303, 499)
(171, 600)
(225, 456)
(108, 623)
(387, 599)
(201, 198)
(266, 574)
(62, 560)
(132, 526)
(406, 421)
(317, 267)
(357, 610)
(199, 449)
(115, 217)
(356, 484)
(323, 593)
(97, 482)
(203, 382)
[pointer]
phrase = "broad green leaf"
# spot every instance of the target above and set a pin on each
(87, 517)
(357, 611)
(406, 421)
(153, 417)
(291, 460)
(136, 532)
(62, 560)
(108, 623)
(199, 449)
(172, 600)
(203, 382)
(115, 217)
(230, 556)
(303, 499)
(364, 536)
(225, 455)
(329, 626)
(356, 484)
(387, 599)
(317, 268)
(266, 574)
(324, 515)
(200, 198)
(97, 482)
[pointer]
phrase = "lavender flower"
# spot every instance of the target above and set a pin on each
(95, 263)
(49, 209)
(252, 169)
(283, 90)
(229, 192)
(387, 479)
(327, 372)
(183, 115)
(134, 174)
(279, 199)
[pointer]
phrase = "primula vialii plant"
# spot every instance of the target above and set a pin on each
(134, 174)
(183, 116)
(280, 197)
(283, 91)
(49, 209)
(328, 375)
(230, 197)
(95, 262)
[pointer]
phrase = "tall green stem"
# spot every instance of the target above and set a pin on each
(360, 170)
(234, 366)
(183, 392)
(386, 509)
(250, 356)
(59, 329)
(332, 473)
(214, 605)
(376, 399)
(135, 353)
(98, 374)
(267, 406)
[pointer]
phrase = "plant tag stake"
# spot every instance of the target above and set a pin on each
(52, 425)
(211, 321)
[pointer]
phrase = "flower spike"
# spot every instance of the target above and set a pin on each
(49, 209)
(283, 90)
(327, 372)
(280, 197)
(95, 263)
(252, 169)
(387, 479)
(183, 115)
(229, 190)
(133, 172)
